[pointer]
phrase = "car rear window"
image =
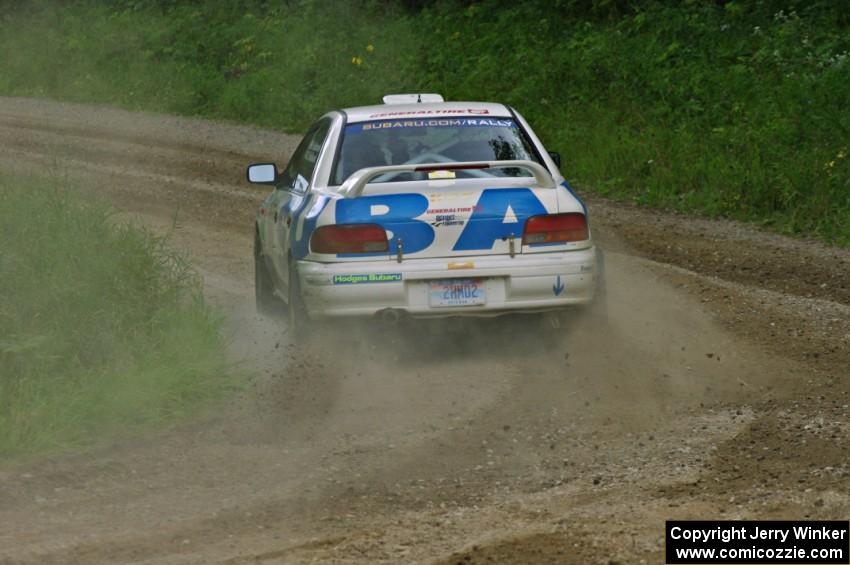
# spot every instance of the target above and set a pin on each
(431, 140)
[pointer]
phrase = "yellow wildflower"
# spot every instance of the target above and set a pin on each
(357, 60)
(370, 48)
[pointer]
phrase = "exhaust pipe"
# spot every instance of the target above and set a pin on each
(389, 316)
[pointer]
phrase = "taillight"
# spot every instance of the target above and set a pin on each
(349, 238)
(555, 228)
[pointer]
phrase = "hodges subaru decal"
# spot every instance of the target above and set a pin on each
(370, 278)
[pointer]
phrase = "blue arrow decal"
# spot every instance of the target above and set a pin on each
(558, 288)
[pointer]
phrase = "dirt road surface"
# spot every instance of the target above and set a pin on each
(719, 389)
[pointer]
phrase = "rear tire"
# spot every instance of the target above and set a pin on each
(267, 303)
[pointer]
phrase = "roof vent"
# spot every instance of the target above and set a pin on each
(412, 98)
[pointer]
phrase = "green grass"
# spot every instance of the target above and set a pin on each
(103, 329)
(735, 109)
(727, 111)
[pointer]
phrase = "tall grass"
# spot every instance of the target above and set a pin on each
(737, 109)
(103, 329)
(280, 66)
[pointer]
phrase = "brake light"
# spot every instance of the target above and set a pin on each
(555, 228)
(349, 238)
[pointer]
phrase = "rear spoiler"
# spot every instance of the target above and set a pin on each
(354, 185)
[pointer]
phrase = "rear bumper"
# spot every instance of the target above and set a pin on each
(536, 282)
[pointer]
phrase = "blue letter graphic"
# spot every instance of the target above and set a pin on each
(487, 222)
(394, 213)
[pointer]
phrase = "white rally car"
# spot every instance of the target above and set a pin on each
(422, 208)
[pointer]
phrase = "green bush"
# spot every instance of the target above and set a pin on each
(103, 329)
(242, 61)
(736, 109)
(694, 106)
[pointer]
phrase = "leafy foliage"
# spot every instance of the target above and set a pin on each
(693, 106)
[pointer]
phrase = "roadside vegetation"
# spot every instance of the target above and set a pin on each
(729, 108)
(103, 329)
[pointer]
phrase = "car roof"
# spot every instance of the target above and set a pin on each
(426, 110)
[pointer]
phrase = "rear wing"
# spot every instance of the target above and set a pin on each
(356, 183)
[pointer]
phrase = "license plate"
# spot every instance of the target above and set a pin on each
(457, 292)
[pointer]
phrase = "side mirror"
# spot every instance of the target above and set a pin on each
(556, 157)
(262, 173)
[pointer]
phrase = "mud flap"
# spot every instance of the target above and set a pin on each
(266, 302)
(598, 309)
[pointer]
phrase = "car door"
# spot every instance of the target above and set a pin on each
(290, 195)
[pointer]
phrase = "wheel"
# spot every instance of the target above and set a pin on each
(267, 303)
(298, 322)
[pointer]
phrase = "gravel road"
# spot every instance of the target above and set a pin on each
(719, 389)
